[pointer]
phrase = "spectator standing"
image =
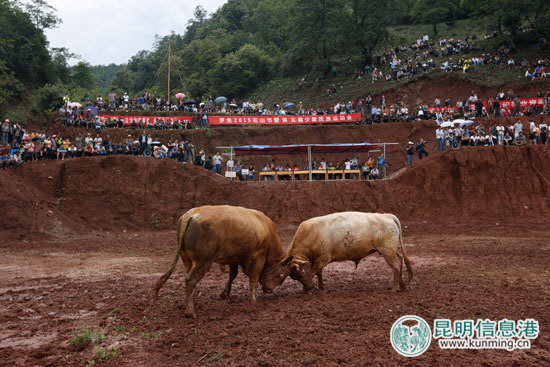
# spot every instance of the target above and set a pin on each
(410, 152)
(217, 161)
(6, 132)
(543, 132)
(421, 148)
(518, 128)
(382, 166)
(440, 136)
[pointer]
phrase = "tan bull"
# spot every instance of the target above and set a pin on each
(232, 236)
(346, 236)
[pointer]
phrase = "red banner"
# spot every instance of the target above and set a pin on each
(507, 105)
(146, 120)
(283, 120)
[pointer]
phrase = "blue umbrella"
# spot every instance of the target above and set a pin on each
(92, 109)
(289, 105)
(220, 100)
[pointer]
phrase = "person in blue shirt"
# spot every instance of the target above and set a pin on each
(382, 166)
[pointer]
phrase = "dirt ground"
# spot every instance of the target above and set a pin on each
(51, 290)
(82, 242)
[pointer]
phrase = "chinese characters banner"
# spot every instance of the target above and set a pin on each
(507, 105)
(146, 120)
(283, 120)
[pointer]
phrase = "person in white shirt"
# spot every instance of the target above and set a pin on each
(217, 160)
(230, 165)
(532, 132)
(440, 136)
(518, 127)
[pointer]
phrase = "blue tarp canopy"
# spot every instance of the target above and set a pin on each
(303, 148)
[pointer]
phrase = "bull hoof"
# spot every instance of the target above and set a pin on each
(190, 315)
(224, 295)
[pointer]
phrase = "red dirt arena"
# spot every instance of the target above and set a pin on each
(83, 242)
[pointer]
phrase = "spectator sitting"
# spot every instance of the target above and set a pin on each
(520, 140)
(374, 174)
(507, 139)
(365, 170)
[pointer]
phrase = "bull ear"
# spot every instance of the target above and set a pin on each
(287, 260)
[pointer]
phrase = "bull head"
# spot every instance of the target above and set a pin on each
(275, 275)
(301, 271)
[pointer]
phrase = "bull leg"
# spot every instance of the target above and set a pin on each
(400, 260)
(223, 268)
(191, 279)
(391, 259)
(186, 262)
(320, 280)
(233, 270)
(254, 272)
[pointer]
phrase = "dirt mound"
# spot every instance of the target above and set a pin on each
(119, 193)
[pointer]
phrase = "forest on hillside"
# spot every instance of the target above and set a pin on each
(248, 42)
(241, 46)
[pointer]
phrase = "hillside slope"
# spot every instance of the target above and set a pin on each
(62, 198)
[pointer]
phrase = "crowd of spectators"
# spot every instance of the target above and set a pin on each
(496, 134)
(370, 169)
(19, 146)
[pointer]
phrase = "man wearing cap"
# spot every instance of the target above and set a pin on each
(410, 152)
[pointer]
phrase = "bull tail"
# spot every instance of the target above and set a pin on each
(181, 246)
(408, 262)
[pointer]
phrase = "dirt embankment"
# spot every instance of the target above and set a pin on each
(234, 136)
(426, 90)
(119, 193)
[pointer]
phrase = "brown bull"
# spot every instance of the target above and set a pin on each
(231, 236)
(346, 236)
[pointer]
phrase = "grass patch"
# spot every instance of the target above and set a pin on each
(115, 310)
(217, 357)
(121, 328)
(155, 221)
(87, 336)
(106, 353)
(150, 336)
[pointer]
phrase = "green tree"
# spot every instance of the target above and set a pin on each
(241, 71)
(436, 11)
(370, 20)
(82, 75)
(500, 12)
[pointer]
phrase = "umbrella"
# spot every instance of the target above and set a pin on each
(466, 123)
(180, 95)
(233, 105)
(447, 124)
(91, 109)
(74, 104)
(189, 101)
(220, 100)
(289, 105)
